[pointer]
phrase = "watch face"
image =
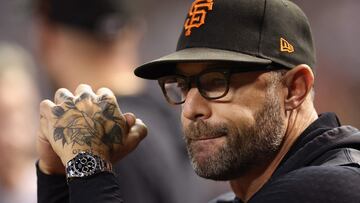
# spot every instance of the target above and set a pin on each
(85, 165)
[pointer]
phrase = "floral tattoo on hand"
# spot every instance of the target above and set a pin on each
(83, 124)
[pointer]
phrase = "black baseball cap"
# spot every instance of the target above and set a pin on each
(246, 32)
(102, 18)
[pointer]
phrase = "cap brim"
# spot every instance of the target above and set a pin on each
(166, 65)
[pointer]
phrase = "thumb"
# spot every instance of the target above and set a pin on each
(130, 119)
(138, 131)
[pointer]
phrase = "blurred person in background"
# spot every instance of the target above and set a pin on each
(96, 42)
(17, 146)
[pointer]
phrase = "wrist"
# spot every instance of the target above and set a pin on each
(74, 152)
(86, 164)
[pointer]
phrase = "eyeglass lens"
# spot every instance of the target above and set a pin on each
(211, 85)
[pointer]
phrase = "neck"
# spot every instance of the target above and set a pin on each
(246, 186)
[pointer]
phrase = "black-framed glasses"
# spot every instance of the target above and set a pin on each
(212, 83)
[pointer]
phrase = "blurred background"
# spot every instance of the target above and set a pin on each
(334, 24)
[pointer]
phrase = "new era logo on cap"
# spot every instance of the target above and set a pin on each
(285, 46)
(197, 15)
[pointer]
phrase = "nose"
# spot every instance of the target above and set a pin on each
(195, 106)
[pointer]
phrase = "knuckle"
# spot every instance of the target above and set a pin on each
(105, 97)
(61, 90)
(84, 86)
(58, 111)
(62, 93)
(104, 89)
(45, 104)
(85, 95)
(140, 129)
(45, 107)
(140, 122)
(144, 131)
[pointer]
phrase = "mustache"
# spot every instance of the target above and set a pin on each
(204, 130)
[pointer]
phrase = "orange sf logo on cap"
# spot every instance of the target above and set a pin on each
(197, 14)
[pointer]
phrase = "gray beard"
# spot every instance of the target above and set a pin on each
(243, 149)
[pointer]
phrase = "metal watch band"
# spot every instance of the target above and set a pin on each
(86, 164)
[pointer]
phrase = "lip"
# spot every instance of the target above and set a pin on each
(207, 138)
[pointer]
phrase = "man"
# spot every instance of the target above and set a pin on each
(243, 74)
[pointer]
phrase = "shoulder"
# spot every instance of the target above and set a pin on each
(324, 177)
(314, 184)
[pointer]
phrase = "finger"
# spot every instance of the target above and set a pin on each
(42, 139)
(62, 95)
(136, 134)
(84, 91)
(48, 159)
(138, 131)
(43, 131)
(105, 92)
(105, 97)
(46, 107)
(130, 119)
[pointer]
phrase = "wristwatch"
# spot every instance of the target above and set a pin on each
(86, 164)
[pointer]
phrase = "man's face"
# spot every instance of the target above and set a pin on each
(229, 136)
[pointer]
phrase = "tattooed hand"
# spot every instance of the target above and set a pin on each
(85, 122)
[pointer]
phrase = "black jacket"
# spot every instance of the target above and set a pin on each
(322, 166)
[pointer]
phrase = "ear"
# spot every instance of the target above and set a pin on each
(298, 82)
